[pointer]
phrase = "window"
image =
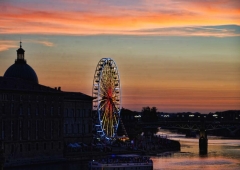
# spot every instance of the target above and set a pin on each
(37, 109)
(3, 108)
(20, 110)
(29, 147)
(11, 129)
(72, 128)
(59, 145)
(37, 146)
(66, 113)
(20, 134)
(29, 109)
(20, 147)
(59, 110)
(83, 128)
(12, 108)
(51, 110)
(89, 128)
(44, 126)
(44, 110)
(51, 129)
(66, 128)
(28, 132)
(78, 128)
(80, 113)
(20, 129)
(20, 124)
(36, 129)
(59, 128)
(3, 129)
(74, 115)
(12, 148)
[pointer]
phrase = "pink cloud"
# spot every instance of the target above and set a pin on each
(110, 19)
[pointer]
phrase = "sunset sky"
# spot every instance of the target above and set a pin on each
(177, 55)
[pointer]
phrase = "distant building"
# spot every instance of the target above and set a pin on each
(77, 118)
(37, 121)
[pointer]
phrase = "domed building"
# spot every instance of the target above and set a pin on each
(37, 121)
(20, 69)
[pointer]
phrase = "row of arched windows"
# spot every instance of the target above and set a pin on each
(30, 98)
(30, 110)
(77, 113)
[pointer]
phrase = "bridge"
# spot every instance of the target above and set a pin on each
(233, 127)
(202, 126)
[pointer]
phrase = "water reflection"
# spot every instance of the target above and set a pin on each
(222, 154)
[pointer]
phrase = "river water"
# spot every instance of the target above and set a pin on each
(223, 154)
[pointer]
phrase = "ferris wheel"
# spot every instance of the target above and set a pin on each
(107, 97)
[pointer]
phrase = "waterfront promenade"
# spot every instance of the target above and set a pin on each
(142, 146)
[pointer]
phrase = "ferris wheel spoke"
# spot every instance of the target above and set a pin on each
(114, 106)
(99, 100)
(114, 121)
(103, 84)
(103, 91)
(108, 95)
(102, 105)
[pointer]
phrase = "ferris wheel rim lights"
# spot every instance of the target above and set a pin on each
(107, 93)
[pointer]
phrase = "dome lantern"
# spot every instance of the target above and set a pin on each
(20, 54)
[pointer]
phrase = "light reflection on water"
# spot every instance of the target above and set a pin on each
(222, 154)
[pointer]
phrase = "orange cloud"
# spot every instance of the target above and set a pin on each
(24, 20)
(7, 44)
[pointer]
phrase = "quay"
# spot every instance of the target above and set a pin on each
(143, 146)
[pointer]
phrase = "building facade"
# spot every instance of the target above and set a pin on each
(31, 119)
(37, 121)
(77, 118)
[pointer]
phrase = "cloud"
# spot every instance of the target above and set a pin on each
(7, 44)
(115, 17)
(46, 43)
(205, 31)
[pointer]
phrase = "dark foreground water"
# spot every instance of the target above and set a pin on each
(223, 154)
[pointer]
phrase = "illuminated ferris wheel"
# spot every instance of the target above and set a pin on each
(107, 97)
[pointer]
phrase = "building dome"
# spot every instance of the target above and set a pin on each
(20, 69)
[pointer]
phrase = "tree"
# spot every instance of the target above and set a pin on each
(149, 114)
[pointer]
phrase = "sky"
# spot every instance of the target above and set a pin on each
(176, 55)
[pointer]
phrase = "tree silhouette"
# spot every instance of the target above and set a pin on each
(149, 114)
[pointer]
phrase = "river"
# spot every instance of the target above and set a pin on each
(222, 154)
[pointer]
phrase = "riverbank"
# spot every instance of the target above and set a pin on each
(142, 147)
